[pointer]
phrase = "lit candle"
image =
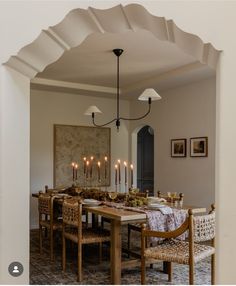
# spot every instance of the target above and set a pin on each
(85, 165)
(73, 170)
(99, 165)
(87, 169)
(76, 171)
(132, 175)
(125, 164)
(91, 167)
(105, 166)
(116, 174)
(119, 170)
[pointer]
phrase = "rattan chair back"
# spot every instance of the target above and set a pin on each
(72, 212)
(204, 227)
(44, 203)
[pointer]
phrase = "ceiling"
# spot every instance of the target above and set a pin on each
(90, 68)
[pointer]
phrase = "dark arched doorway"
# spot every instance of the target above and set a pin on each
(145, 159)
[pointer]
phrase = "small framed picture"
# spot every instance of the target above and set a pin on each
(178, 148)
(199, 147)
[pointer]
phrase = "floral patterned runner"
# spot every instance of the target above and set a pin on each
(158, 221)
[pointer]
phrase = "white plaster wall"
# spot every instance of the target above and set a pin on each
(214, 22)
(14, 178)
(183, 112)
(48, 108)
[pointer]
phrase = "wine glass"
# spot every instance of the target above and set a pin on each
(172, 196)
(112, 196)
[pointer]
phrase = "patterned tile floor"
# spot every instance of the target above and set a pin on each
(42, 271)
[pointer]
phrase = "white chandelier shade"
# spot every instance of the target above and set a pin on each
(92, 109)
(149, 93)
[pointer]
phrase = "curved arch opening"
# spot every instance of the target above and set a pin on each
(32, 59)
(142, 156)
(61, 38)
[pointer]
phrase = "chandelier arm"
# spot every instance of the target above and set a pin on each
(101, 125)
(141, 117)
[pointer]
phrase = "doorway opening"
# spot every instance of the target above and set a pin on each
(145, 159)
(57, 42)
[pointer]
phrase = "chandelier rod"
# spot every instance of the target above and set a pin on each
(141, 117)
(101, 125)
(118, 89)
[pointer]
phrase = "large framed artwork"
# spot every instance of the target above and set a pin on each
(81, 156)
(178, 148)
(199, 147)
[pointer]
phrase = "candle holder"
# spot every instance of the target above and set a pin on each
(99, 184)
(126, 188)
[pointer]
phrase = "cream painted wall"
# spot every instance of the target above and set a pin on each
(48, 108)
(213, 21)
(183, 112)
(14, 174)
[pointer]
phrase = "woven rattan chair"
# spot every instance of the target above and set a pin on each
(137, 226)
(201, 229)
(47, 219)
(72, 230)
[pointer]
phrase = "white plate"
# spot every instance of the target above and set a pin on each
(62, 195)
(156, 200)
(91, 202)
(156, 206)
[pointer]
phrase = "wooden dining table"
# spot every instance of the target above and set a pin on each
(119, 217)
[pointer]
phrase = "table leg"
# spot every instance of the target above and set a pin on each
(94, 220)
(165, 267)
(115, 252)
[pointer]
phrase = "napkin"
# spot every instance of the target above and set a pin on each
(166, 210)
(162, 208)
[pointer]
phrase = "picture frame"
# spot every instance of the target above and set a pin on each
(199, 146)
(73, 143)
(178, 148)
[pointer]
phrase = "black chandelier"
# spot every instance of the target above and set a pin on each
(148, 94)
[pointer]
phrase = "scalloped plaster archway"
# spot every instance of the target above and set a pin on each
(33, 58)
(53, 42)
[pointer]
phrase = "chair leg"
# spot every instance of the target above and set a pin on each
(46, 230)
(79, 277)
(169, 271)
(191, 273)
(143, 271)
(51, 244)
(129, 233)
(86, 219)
(102, 223)
(100, 252)
(40, 238)
(151, 265)
(213, 269)
(63, 253)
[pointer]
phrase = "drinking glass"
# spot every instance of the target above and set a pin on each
(172, 196)
(112, 196)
